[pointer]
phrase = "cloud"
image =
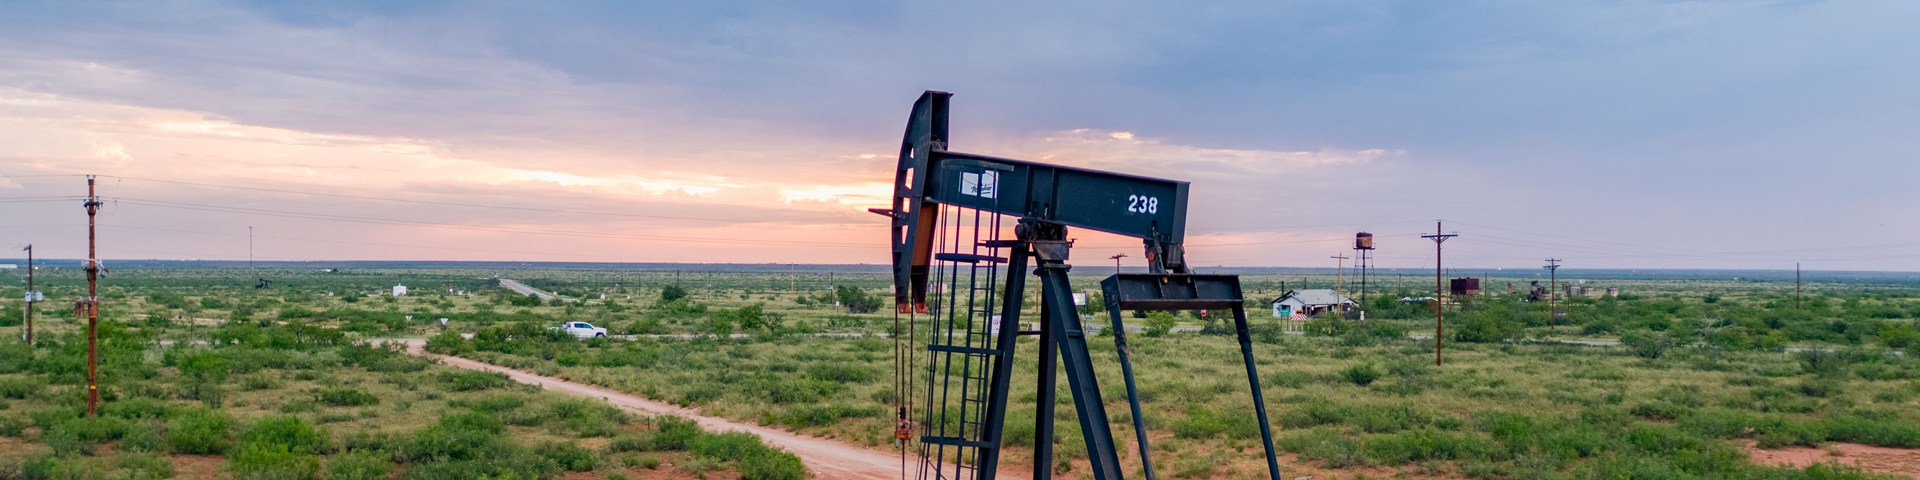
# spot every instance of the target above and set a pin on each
(1122, 150)
(1584, 119)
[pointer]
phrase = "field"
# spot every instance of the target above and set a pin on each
(1705, 371)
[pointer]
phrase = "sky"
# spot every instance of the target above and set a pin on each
(1608, 134)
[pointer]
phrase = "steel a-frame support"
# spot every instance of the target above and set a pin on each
(1063, 319)
(1163, 292)
(1062, 342)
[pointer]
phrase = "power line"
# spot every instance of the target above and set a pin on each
(475, 205)
(413, 223)
(434, 247)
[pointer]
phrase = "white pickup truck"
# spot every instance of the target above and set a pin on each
(580, 330)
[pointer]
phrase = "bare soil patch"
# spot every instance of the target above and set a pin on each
(1897, 461)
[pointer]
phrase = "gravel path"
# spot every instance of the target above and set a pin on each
(827, 459)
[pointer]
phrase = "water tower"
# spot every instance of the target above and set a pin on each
(1363, 260)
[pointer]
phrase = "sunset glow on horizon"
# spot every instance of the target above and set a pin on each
(604, 132)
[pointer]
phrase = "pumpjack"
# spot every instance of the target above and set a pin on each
(949, 212)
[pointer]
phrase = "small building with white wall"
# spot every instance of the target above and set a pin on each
(1309, 302)
(399, 290)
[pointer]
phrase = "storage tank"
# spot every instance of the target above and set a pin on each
(1466, 286)
(1363, 241)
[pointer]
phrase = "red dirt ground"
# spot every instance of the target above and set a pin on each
(1897, 461)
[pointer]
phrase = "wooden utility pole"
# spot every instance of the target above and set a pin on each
(92, 303)
(1116, 262)
(30, 298)
(1553, 294)
(1339, 276)
(1439, 305)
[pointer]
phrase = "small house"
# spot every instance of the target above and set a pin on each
(399, 290)
(1309, 303)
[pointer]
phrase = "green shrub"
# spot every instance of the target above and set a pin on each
(1160, 324)
(1820, 388)
(842, 373)
(474, 422)
(464, 381)
(136, 407)
(1325, 445)
(1646, 344)
(771, 465)
(670, 293)
(1793, 433)
(1899, 336)
(299, 406)
(1290, 379)
(1492, 325)
(568, 455)
(12, 426)
(1428, 444)
(1660, 411)
(143, 466)
(199, 431)
(1198, 466)
(1361, 374)
(359, 466)
(498, 403)
(449, 342)
(81, 434)
(347, 397)
(22, 387)
(257, 382)
(631, 443)
(144, 436)
(674, 433)
(1877, 432)
(727, 446)
(272, 461)
(1199, 423)
(290, 431)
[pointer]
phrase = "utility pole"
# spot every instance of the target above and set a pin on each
(1339, 275)
(31, 295)
(1553, 294)
(1116, 262)
(1439, 306)
(1796, 286)
(92, 303)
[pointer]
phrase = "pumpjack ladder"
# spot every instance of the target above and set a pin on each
(946, 237)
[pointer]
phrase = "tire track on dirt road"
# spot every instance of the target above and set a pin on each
(827, 459)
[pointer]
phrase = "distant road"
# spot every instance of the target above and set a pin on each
(524, 290)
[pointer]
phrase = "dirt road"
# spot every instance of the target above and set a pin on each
(826, 458)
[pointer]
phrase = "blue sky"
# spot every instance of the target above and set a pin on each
(1611, 134)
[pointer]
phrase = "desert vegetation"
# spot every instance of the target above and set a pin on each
(1678, 379)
